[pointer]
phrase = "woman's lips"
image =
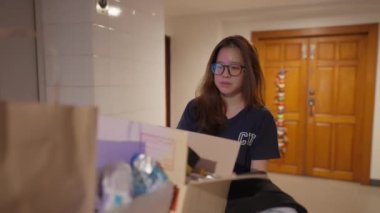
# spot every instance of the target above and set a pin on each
(225, 83)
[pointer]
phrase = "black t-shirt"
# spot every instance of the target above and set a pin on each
(255, 129)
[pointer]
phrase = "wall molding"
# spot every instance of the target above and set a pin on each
(374, 182)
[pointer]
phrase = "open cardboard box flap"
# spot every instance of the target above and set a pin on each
(169, 147)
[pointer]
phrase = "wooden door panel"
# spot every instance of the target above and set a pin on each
(272, 52)
(289, 162)
(325, 50)
(334, 75)
(322, 85)
(293, 51)
(344, 138)
(293, 92)
(341, 175)
(270, 89)
(332, 151)
(291, 155)
(287, 54)
(346, 87)
(349, 50)
(337, 163)
(321, 159)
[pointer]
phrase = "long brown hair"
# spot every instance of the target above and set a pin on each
(209, 107)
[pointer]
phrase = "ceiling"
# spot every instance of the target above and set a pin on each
(196, 7)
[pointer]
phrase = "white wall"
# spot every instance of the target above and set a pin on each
(194, 38)
(18, 67)
(115, 63)
(190, 49)
(375, 162)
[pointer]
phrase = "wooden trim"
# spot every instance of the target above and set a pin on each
(371, 30)
(369, 102)
(310, 32)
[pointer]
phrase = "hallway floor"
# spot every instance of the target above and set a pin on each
(324, 195)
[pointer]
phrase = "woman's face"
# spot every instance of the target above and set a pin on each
(229, 85)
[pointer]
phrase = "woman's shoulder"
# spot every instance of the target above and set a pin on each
(261, 117)
(191, 108)
(191, 104)
(260, 114)
(259, 111)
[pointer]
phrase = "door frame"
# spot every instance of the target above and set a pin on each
(371, 30)
(167, 79)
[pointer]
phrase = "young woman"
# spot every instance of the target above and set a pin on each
(229, 104)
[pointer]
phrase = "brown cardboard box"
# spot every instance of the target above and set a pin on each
(158, 201)
(210, 195)
(169, 147)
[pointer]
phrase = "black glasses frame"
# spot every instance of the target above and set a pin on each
(213, 69)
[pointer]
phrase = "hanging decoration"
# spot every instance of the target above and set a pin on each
(280, 102)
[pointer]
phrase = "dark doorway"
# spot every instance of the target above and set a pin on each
(167, 79)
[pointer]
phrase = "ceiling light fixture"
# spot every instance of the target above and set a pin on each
(114, 11)
(103, 7)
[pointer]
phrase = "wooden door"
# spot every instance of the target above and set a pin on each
(290, 55)
(335, 71)
(326, 99)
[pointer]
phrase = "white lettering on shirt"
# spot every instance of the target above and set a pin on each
(246, 138)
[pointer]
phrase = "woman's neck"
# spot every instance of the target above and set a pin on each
(234, 104)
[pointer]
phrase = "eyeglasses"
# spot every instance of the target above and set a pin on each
(233, 69)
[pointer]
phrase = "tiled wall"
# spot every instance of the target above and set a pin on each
(66, 39)
(116, 63)
(129, 61)
(18, 71)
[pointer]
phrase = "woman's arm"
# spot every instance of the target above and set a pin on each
(259, 165)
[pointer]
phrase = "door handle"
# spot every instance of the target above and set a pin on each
(304, 51)
(313, 48)
(311, 103)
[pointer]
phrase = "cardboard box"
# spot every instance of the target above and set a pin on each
(209, 195)
(169, 147)
(158, 201)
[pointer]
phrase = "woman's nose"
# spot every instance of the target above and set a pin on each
(226, 72)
